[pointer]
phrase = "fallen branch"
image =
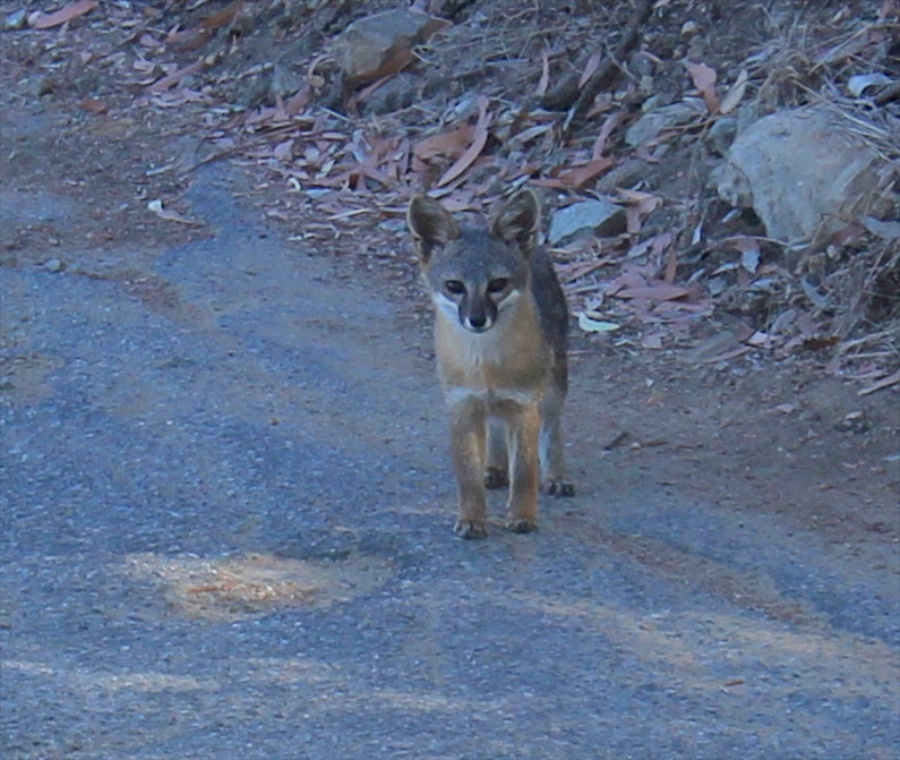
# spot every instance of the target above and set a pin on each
(608, 71)
(885, 382)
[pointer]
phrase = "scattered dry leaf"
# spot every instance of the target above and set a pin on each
(156, 206)
(881, 384)
(171, 80)
(479, 140)
(544, 81)
(660, 292)
(576, 176)
(735, 95)
(222, 17)
(609, 125)
(94, 106)
(591, 325)
(704, 79)
(64, 14)
(590, 68)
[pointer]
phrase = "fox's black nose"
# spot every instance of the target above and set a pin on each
(477, 321)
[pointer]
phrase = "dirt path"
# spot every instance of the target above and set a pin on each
(226, 534)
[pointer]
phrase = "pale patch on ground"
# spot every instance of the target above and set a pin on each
(252, 585)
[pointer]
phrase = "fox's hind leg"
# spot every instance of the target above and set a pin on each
(496, 473)
(552, 454)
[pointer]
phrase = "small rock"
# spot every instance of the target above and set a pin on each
(598, 217)
(285, 82)
(44, 85)
(803, 172)
(722, 134)
(651, 124)
(243, 22)
(15, 20)
(397, 93)
(562, 94)
(54, 266)
(627, 174)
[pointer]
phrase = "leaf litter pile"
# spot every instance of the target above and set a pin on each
(618, 113)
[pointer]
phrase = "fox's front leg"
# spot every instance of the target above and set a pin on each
(523, 433)
(467, 433)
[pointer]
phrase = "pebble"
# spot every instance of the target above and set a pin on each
(15, 20)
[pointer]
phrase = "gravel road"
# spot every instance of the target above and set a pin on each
(226, 534)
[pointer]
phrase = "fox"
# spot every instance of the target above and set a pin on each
(500, 334)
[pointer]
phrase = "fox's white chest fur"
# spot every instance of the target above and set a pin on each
(504, 363)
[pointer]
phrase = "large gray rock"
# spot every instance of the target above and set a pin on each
(803, 172)
(366, 47)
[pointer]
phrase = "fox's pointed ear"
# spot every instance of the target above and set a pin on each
(519, 221)
(431, 225)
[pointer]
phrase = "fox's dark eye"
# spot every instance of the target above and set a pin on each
(455, 287)
(498, 285)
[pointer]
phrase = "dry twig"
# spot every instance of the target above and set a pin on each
(608, 71)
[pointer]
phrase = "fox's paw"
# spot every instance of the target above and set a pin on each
(495, 477)
(521, 525)
(470, 529)
(560, 488)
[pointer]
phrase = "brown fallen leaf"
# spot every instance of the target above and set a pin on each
(885, 382)
(149, 41)
(170, 80)
(94, 106)
(646, 203)
(64, 14)
(223, 17)
(544, 81)
(205, 589)
(298, 101)
(704, 78)
(736, 94)
(451, 144)
(663, 292)
(479, 140)
(577, 176)
(284, 151)
(653, 245)
(639, 206)
(156, 206)
(590, 68)
(664, 243)
(627, 279)
(189, 39)
(459, 200)
(734, 354)
(578, 269)
(609, 125)
(726, 344)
